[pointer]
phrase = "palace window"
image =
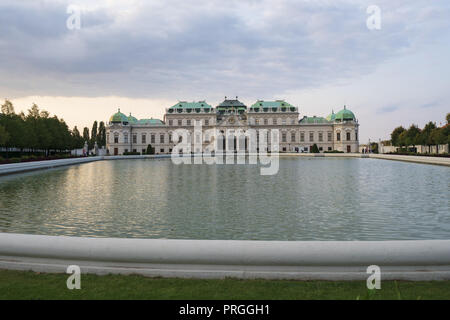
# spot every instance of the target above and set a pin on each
(283, 121)
(302, 136)
(348, 136)
(356, 135)
(338, 136)
(170, 122)
(266, 122)
(206, 122)
(134, 139)
(274, 121)
(188, 122)
(283, 137)
(311, 136)
(320, 136)
(152, 138)
(125, 137)
(329, 136)
(144, 138)
(161, 138)
(180, 122)
(116, 138)
(293, 136)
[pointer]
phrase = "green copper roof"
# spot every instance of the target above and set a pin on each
(313, 120)
(191, 105)
(271, 104)
(345, 115)
(331, 116)
(132, 119)
(150, 121)
(118, 117)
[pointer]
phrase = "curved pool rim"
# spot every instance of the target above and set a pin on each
(416, 260)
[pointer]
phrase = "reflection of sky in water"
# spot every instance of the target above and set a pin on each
(309, 199)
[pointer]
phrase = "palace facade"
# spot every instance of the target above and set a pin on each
(338, 131)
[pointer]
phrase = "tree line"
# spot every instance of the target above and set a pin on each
(37, 131)
(430, 135)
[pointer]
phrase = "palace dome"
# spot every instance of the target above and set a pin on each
(345, 115)
(118, 117)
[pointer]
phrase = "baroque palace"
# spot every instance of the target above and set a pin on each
(338, 131)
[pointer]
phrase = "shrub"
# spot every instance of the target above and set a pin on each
(131, 153)
(333, 151)
(315, 149)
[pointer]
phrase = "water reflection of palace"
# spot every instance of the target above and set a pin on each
(338, 131)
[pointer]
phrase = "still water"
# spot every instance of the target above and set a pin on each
(309, 199)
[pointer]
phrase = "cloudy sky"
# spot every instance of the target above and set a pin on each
(144, 56)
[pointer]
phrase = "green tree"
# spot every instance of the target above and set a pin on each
(425, 135)
(402, 140)
(448, 118)
(7, 107)
(395, 136)
(413, 135)
(150, 149)
(4, 136)
(438, 137)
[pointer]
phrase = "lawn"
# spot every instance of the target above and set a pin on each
(31, 285)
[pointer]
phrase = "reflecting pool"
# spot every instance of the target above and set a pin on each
(309, 199)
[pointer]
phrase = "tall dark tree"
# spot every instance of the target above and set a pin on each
(4, 136)
(77, 140)
(425, 135)
(7, 107)
(101, 136)
(37, 131)
(93, 135)
(85, 135)
(395, 136)
(413, 135)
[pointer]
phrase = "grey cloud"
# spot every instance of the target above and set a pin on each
(202, 48)
(388, 109)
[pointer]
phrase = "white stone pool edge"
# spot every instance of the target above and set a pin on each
(417, 260)
(38, 165)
